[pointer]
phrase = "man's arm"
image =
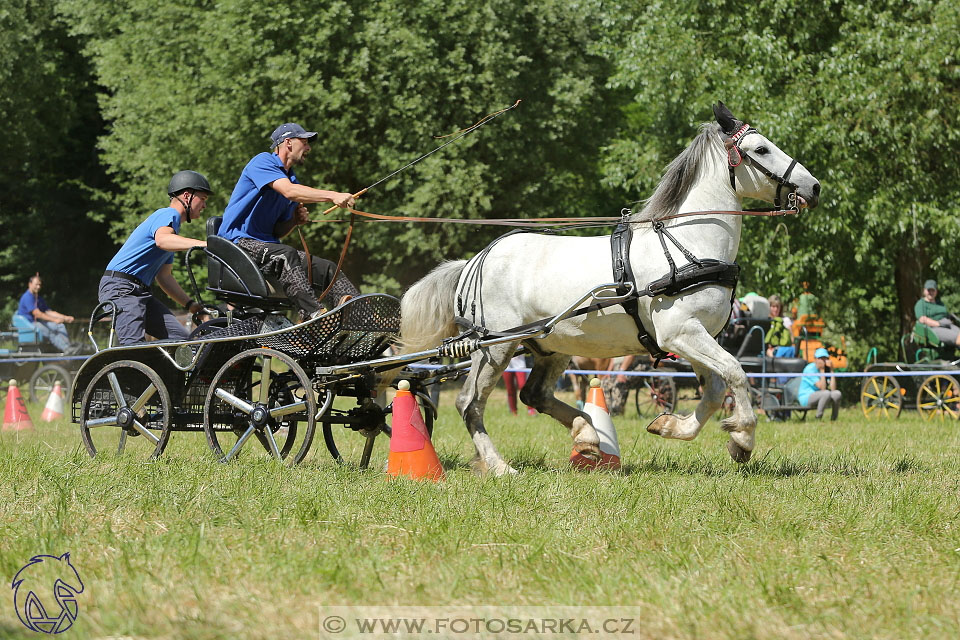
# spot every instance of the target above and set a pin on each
(167, 240)
(173, 289)
(308, 195)
(51, 316)
(300, 215)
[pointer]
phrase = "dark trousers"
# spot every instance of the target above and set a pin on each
(138, 312)
(288, 265)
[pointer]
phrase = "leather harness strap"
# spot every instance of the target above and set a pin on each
(622, 275)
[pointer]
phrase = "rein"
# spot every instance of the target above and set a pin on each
(555, 222)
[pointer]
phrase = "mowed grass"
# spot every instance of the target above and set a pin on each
(833, 530)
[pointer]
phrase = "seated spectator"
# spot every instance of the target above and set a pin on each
(779, 337)
(47, 322)
(814, 391)
(932, 313)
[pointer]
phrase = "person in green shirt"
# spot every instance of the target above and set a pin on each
(933, 313)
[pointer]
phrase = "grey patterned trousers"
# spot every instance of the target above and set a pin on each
(288, 266)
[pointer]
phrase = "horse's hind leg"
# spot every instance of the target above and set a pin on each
(718, 369)
(538, 392)
(488, 365)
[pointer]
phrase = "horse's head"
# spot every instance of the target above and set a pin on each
(759, 169)
(46, 580)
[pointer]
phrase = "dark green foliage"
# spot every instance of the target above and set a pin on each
(48, 162)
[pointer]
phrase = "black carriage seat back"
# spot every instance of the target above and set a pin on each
(739, 340)
(232, 275)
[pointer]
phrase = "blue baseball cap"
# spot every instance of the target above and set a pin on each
(821, 353)
(930, 284)
(290, 130)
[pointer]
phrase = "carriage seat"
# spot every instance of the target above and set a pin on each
(926, 346)
(27, 333)
(233, 276)
(28, 336)
(739, 340)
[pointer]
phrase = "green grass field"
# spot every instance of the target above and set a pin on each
(833, 530)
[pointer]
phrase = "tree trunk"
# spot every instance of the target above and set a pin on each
(908, 274)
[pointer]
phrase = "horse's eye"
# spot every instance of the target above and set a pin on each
(761, 151)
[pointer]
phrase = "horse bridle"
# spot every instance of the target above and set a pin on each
(736, 156)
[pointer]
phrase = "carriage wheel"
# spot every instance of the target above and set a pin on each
(43, 380)
(376, 415)
(769, 403)
(265, 394)
(939, 396)
(881, 397)
(126, 409)
(657, 394)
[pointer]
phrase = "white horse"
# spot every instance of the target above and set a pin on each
(526, 277)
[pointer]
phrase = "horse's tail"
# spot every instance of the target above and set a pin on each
(426, 309)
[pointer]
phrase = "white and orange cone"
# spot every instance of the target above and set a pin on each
(596, 408)
(411, 452)
(15, 416)
(54, 407)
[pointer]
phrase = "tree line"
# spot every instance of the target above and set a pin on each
(104, 101)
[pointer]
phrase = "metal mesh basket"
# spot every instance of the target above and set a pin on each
(359, 330)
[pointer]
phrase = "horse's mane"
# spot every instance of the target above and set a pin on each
(679, 176)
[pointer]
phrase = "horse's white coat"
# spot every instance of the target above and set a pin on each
(527, 277)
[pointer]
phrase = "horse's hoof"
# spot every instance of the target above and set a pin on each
(589, 451)
(656, 427)
(497, 469)
(738, 453)
(503, 469)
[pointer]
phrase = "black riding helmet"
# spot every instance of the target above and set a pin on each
(187, 180)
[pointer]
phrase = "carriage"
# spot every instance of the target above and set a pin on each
(28, 358)
(925, 379)
(249, 375)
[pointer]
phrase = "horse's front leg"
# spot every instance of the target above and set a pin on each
(717, 370)
(538, 393)
(488, 366)
(688, 427)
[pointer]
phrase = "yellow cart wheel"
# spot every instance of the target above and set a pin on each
(881, 397)
(939, 397)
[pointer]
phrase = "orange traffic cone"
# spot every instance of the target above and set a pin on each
(596, 408)
(411, 452)
(15, 416)
(54, 408)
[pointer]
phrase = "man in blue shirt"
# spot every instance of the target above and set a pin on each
(147, 255)
(267, 203)
(815, 390)
(47, 322)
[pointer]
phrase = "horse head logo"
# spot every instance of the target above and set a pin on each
(45, 593)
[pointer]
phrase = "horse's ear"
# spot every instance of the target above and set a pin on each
(725, 119)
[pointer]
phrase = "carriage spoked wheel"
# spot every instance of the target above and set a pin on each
(265, 395)
(939, 397)
(369, 420)
(126, 409)
(656, 395)
(43, 380)
(881, 397)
